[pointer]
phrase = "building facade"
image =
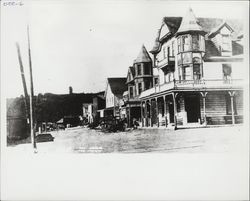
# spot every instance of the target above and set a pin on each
(139, 79)
(114, 96)
(91, 111)
(198, 79)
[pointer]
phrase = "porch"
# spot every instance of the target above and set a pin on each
(193, 109)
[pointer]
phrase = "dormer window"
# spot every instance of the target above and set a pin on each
(226, 43)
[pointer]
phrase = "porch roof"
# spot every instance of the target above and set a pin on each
(192, 86)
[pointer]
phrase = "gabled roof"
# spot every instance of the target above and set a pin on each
(157, 43)
(143, 56)
(213, 51)
(207, 24)
(217, 29)
(117, 85)
(189, 23)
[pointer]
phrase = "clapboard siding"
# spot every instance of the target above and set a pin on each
(215, 107)
(216, 111)
(215, 104)
(239, 103)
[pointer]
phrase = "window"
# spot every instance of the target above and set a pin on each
(147, 68)
(131, 94)
(225, 43)
(178, 104)
(138, 69)
(179, 44)
(168, 52)
(139, 88)
(156, 80)
(147, 84)
(187, 58)
(197, 72)
(195, 42)
(227, 71)
(168, 77)
(185, 43)
(186, 73)
(172, 48)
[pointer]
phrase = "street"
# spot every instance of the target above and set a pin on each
(150, 140)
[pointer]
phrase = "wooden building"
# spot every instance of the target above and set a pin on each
(198, 67)
(139, 79)
(115, 88)
(17, 123)
(91, 111)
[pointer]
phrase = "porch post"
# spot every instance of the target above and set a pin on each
(232, 93)
(142, 119)
(157, 112)
(175, 110)
(204, 94)
(151, 113)
(165, 110)
(128, 116)
(146, 114)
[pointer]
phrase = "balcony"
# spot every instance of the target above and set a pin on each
(166, 63)
(216, 84)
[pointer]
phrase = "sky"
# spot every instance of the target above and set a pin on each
(81, 43)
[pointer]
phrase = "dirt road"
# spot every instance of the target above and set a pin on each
(152, 140)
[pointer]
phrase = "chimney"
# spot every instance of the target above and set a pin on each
(70, 90)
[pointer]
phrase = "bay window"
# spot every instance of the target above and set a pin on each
(185, 43)
(139, 88)
(197, 71)
(196, 42)
(138, 69)
(186, 72)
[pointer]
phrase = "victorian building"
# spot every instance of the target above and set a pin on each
(198, 72)
(139, 79)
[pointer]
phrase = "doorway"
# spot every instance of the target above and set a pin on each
(192, 107)
(171, 112)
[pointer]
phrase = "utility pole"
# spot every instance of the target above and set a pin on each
(24, 82)
(32, 131)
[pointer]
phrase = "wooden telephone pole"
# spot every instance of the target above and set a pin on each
(32, 131)
(26, 102)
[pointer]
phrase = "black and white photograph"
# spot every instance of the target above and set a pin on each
(124, 100)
